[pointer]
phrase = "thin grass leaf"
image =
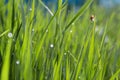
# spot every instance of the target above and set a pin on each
(67, 68)
(51, 13)
(91, 54)
(5, 32)
(6, 64)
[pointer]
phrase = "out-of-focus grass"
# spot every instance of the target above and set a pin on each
(57, 45)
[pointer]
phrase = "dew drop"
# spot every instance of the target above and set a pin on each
(70, 31)
(10, 35)
(30, 9)
(17, 62)
(51, 45)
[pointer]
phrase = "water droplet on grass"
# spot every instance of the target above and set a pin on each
(30, 9)
(73, 23)
(10, 35)
(65, 54)
(33, 30)
(13, 40)
(47, 30)
(45, 77)
(17, 62)
(96, 29)
(79, 77)
(101, 31)
(106, 39)
(51, 45)
(70, 31)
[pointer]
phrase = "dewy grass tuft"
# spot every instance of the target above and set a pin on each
(42, 43)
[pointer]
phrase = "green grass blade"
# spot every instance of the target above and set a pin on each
(80, 12)
(46, 8)
(67, 69)
(91, 54)
(6, 65)
(5, 32)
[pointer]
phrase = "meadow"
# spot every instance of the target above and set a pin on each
(59, 44)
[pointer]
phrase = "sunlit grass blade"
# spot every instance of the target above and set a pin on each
(46, 8)
(57, 67)
(67, 68)
(4, 33)
(6, 64)
(91, 54)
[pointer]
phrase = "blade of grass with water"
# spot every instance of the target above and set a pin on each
(80, 12)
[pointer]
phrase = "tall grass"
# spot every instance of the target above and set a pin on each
(57, 45)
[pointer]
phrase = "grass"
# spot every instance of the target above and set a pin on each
(57, 45)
